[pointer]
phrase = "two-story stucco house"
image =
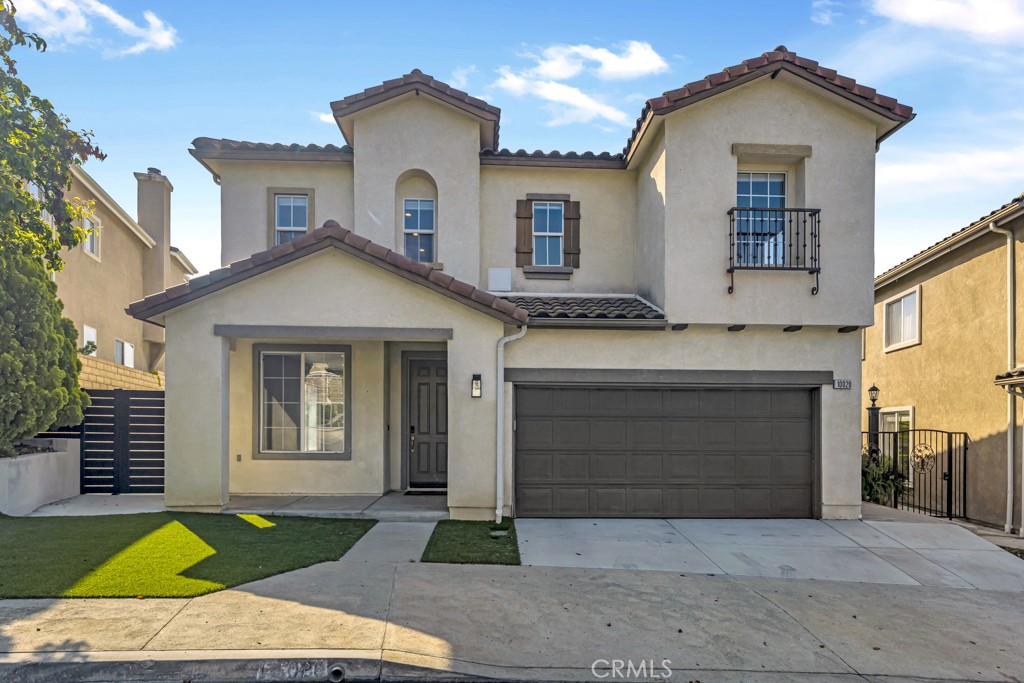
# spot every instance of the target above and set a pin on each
(122, 260)
(647, 334)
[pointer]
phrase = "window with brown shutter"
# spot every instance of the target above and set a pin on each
(547, 236)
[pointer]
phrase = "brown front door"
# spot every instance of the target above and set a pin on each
(427, 431)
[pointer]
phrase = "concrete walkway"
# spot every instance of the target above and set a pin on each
(389, 621)
(897, 552)
(394, 506)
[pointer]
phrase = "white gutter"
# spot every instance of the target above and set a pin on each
(499, 386)
(1011, 364)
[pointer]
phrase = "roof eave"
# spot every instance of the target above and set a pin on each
(106, 200)
(598, 323)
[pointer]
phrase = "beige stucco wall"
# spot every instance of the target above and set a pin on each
(701, 187)
(714, 348)
(96, 292)
(607, 199)
(202, 432)
(649, 256)
(419, 133)
(243, 199)
(948, 377)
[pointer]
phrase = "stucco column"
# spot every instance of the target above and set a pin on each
(471, 451)
(197, 418)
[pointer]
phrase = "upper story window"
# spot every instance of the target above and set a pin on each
(418, 227)
(548, 233)
(91, 243)
(902, 322)
(291, 217)
(760, 235)
(89, 339)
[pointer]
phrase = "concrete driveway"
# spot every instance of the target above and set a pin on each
(909, 553)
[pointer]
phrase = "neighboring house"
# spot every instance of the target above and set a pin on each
(121, 261)
(943, 331)
(646, 334)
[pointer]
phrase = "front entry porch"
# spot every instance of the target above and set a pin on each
(394, 506)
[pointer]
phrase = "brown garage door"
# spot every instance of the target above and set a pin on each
(663, 452)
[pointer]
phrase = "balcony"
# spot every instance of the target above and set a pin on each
(774, 239)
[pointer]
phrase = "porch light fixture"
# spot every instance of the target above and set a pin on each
(476, 387)
(873, 392)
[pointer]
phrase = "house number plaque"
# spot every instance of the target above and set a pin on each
(842, 384)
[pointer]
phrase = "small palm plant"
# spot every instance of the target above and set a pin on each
(880, 482)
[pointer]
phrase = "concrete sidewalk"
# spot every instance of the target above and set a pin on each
(389, 621)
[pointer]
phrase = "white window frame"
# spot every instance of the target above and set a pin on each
(94, 237)
(886, 347)
(86, 337)
(417, 231)
(777, 255)
(534, 234)
(278, 229)
(127, 353)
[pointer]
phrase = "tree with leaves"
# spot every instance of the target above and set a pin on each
(38, 357)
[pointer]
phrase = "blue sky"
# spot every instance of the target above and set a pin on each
(150, 76)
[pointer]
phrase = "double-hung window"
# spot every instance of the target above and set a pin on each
(418, 227)
(291, 217)
(902, 324)
(91, 243)
(760, 232)
(548, 233)
(302, 402)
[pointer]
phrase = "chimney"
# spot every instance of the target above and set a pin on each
(154, 208)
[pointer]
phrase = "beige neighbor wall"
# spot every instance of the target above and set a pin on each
(243, 199)
(96, 292)
(607, 221)
(649, 258)
(714, 348)
(701, 187)
(202, 430)
(947, 378)
(419, 133)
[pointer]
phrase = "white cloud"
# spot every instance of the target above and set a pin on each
(567, 104)
(924, 174)
(823, 12)
(323, 118)
(74, 21)
(634, 60)
(460, 76)
(999, 22)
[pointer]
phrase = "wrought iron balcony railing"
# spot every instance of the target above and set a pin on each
(774, 239)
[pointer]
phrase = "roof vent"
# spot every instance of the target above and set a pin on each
(153, 171)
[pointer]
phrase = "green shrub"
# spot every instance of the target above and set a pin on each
(879, 484)
(38, 354)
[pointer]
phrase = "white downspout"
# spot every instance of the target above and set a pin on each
(499, 386)
(1011, 363)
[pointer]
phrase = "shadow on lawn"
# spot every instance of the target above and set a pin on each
(160, 554)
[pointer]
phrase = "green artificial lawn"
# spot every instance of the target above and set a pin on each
(160, 554)
(457, 542)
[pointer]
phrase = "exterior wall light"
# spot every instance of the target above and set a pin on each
(476, 387)
(873, 394)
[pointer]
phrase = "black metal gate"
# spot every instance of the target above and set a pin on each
(929, 464)
(122, 442)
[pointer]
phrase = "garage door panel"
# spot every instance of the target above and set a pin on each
(646, 467)
(664, 452)
(645, 434)
(609, 466)
(608, 434)
(681, 467)
(608, 402)
(570, 432)
(572, 466)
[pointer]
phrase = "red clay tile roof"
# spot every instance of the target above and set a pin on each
(779, 58)
(1012, 377)
(1017, 201)
(590, 308)
(207, 145)
(330, 235)
(540, 158)
(417, 80)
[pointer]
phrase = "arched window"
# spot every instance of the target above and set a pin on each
(417, 225)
